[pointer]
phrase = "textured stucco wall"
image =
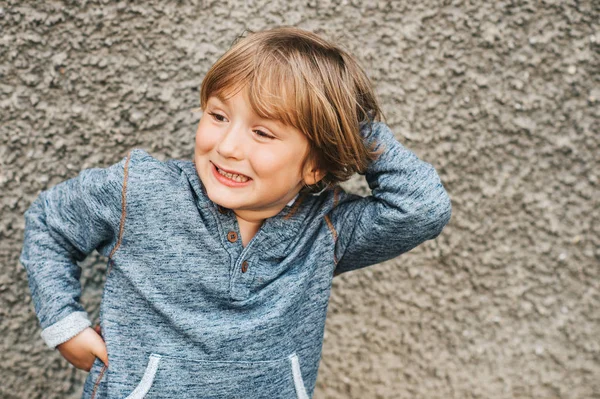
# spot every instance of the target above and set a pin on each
(503, 97)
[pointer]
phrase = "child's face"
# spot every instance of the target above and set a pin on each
(228, 137)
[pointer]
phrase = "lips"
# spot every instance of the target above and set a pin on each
(233, 172)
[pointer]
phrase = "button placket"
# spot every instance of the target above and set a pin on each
(243, 278)
(233, 245)
(243, 273)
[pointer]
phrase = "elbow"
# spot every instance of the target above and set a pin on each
(440, 215)
(36, 208)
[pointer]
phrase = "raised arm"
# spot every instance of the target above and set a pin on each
(408, 206)
(63, 225)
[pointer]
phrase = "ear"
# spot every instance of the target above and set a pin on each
(313, 175)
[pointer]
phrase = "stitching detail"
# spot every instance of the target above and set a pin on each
(111, 262)
(331, 227)
(295, 206)
(352, 233)
(123, 212)
(104, 367)
(336, 191)
(334, 233)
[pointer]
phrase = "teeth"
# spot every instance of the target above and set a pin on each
(238, 178)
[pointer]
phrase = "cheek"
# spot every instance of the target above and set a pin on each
(276, 164)
(205, 141)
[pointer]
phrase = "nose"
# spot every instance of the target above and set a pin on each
(231, 143)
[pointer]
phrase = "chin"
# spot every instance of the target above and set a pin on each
(221, 200)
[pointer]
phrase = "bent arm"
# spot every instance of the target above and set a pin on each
(63, 225)
(408, 206)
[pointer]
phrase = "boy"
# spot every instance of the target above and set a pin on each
(220, 269)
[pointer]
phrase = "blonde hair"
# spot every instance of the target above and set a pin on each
(296, 77)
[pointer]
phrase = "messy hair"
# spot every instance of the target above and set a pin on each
(299, 79)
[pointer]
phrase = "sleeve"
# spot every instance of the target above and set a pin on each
(63, 225)
(408, 206)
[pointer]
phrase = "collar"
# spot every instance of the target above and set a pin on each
(277, 233)
(292, 201)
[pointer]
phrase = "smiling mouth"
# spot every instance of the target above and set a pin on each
(232, 176)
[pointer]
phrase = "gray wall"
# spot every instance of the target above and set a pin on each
(502, 97)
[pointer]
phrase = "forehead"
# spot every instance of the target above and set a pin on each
(219, 97)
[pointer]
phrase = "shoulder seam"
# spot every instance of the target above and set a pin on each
(330, 224)
(295, 206)
(123, 212)
(334, 234)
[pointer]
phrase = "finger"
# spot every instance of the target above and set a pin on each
(99, 350)
(104, 356)
(98, 329)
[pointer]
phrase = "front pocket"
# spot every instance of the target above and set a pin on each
(179, 377)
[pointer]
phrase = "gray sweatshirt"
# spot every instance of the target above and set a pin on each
(187, 311)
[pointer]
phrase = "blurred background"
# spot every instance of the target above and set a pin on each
(502, 97)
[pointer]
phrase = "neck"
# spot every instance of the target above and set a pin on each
(257, 217)
(253, 217)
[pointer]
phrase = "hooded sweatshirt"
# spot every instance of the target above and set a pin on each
(187, 311)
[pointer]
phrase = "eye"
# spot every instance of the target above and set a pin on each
(216, 116)
(259, 133)
(263, 134)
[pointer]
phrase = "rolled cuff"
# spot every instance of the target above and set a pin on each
(65, 329)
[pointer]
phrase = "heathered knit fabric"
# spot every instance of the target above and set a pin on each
(180, 317)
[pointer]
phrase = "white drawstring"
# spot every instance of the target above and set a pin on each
(320, 192)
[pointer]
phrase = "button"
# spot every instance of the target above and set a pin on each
(232, 236)
(223, 210)
(244, 266)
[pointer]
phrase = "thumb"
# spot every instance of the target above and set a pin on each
(99, 350)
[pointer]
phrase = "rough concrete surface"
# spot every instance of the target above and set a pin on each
(502, 97)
